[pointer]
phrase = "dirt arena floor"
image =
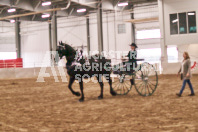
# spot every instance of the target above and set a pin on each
(50, 107)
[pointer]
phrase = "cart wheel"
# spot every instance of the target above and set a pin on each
(122, 84)
(146, 79)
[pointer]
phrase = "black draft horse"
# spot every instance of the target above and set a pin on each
(98, 67)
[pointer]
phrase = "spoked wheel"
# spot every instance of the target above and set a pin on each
(122, 84)
(146, 79)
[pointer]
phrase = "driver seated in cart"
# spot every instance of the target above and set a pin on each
(131, 64)
(132, 55)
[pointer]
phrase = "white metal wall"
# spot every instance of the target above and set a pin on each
(178, 6)
(34, 43)
(122, 40)
(147, 10)
(184, 42)
(7, 37)
(73, 31)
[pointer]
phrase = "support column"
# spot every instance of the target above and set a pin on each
(50, 43)
(107, 18)
(100, 28)
(88, 35)
(50, 36)
(164, 57)
(54, 32)
(18, 39)
(115, 31)
(133, 29)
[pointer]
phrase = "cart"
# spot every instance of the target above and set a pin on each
(144, 78)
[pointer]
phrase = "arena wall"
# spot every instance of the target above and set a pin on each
(73, 31)
(14, 73)
(183, 42)
(179, 6)
(34, 43)
(147, 10)
(7, 31)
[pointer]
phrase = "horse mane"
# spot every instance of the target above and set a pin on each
(69, 50)
(70, 54)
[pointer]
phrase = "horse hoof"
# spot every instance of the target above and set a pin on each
(77, 94)
(100, 97)
(81, 100)
(113, 93)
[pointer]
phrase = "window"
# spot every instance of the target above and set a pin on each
(154, 55)
(186, 22)
(121, 28)
(172, 54)
(182, 23)
(150, 55)
(7, 55)
(173, 24)
(192, 22)
(148, 34)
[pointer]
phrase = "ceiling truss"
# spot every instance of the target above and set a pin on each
(32, 7)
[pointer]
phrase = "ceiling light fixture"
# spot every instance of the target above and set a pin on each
(46, 3)
(123, 4)
(11, 10)
(81, 10)
(12, 21)
(45, 15)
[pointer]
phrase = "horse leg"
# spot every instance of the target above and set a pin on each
(108, 78)
(71, 81)
(81, 89)
(101, 86)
